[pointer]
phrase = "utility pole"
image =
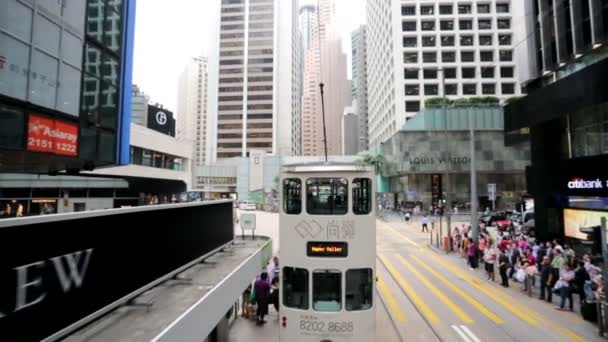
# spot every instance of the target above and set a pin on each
(445, 181)
(474, 228)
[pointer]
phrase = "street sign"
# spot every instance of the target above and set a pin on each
(247, 223)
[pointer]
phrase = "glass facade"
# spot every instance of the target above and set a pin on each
(588, 132)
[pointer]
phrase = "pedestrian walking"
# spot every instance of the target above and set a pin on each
(425, 223)
(262, 297)
(503, 265)
(489, 258)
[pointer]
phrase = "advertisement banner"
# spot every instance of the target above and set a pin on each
(575, 219)
(52, 136)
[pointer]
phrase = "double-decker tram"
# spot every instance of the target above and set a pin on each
(327, 235)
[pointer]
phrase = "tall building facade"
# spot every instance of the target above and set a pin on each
(193, 119)
(324, 62)
(139, 106)
(307, 20)
(416, 47)
(256, 71)
(359, 72)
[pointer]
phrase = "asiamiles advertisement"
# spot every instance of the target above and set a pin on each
(576, 218)
(54, 136)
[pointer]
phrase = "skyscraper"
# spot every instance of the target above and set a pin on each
(359, 69)
(256, 75)
(324, 62)
(193, 119)
(413, 46)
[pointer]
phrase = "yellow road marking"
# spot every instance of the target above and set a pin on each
(488, 292)
(418, 302)
(391, 301)
(459, 292)
(401, 234)
(448, 302)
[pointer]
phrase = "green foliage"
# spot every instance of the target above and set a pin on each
(462, 103)
(436, 102)
(513, 99)
(377, 161)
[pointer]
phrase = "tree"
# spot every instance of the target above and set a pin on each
(377, 161)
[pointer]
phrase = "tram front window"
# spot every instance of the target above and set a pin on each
(327, 290)
(359, 288)
(327, 196)
(295, 288)
(292, 196)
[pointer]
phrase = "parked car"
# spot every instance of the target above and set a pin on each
(247, 205)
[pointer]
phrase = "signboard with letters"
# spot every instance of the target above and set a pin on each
(52, 136)
(327, 249)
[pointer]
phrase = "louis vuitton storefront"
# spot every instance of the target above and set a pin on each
(418, 161)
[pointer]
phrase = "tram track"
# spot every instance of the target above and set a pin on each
(412, 303)
(390, 316)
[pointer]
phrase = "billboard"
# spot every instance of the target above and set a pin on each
(576, 218)
(52, 136)
(161, 120)
(50, 79)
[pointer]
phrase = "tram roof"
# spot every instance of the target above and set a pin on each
(331, 166)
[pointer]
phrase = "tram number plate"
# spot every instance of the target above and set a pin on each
(327, 249)
(326, 327)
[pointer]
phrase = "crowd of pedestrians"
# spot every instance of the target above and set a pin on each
(261, 293)
(524, 260)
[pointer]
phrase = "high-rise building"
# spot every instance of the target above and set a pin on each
(307, 20)
(193, 119)
(350, 132)
(139, 106)
(413, 47)
(256, 75)
(359, 72)
(324, 62)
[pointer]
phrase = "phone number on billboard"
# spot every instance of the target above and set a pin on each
(331, 327)
(34, 142)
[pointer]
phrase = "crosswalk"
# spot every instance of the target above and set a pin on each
(451, 300)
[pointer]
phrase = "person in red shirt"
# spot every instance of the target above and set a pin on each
(504, 244)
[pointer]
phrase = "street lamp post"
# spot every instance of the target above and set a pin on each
(474, 230)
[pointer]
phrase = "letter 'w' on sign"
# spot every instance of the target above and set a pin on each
(75, 275)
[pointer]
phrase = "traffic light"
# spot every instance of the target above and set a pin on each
(594, 237)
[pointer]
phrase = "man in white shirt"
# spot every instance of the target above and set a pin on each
(425, 223)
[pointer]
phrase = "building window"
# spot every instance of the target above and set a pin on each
(469, 89)
(411, 74)
(412, 89)
(486, 56)
(295, 287)
(468, 72)
(488, 89)
(447, 41)
(362, 196)
(465, 24)
(502, 8)
(359, 289)
(484, 24)
(410, 41)
(504, 39)
(326, 196)
(467, 56)
(327, 290)
(487, 72)
(508, 88)
(466, 40)
(412, 106)
(485, 40)
(408, 10)
(451, 89)
(483, 8)
(506, 55)
(428, 25)
(292, 196)
(504, 24)
(464, 9)
(506, 72)
(449, 73)
(446, 9)
(427, 10)
(429, 74)
(428, 41)
(446, 25)
(448, 56)
(408, 26)
(431, 89)
(410, 57)
(429, 57)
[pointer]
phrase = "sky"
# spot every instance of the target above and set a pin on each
(166, 36)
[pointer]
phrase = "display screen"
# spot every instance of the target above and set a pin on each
(575, 219)
(327, 249)
(54, 136)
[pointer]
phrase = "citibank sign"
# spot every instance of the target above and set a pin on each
(579, 183)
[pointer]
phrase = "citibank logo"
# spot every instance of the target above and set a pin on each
(161, 118)
(579, 183)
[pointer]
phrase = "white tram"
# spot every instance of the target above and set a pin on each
(327, 235)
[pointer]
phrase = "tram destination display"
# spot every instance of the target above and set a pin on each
(327, 249)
